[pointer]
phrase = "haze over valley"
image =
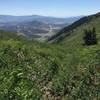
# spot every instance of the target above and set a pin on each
(36, 27)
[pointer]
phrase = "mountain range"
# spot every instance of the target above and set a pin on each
(37, 27)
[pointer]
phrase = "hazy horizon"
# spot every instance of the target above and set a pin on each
(52, 8)
(45, 16)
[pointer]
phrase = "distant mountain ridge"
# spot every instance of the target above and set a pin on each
(50, 20)
(37, 27)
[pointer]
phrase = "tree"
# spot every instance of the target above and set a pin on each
(90, 37)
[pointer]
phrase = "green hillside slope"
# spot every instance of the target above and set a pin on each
(78, 27)
(64, 71)
(76, 37)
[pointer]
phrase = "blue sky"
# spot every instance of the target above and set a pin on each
(58, 8)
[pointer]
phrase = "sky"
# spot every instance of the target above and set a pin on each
(56, 8)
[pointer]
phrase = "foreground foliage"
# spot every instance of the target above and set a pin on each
(37, 71)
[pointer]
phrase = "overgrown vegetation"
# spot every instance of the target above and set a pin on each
(37, 71)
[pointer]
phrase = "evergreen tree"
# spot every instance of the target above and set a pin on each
(90, 37)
